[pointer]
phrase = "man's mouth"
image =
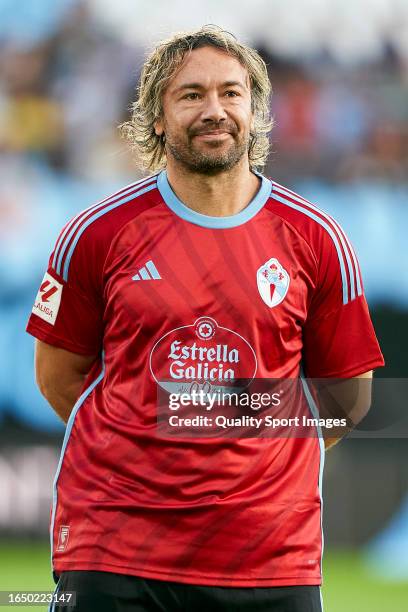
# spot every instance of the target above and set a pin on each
(217, 133)
(213, 135)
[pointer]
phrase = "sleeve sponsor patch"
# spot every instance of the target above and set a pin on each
(48, 299)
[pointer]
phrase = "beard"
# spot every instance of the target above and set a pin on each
(215, 156)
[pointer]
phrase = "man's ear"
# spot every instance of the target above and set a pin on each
(158, 127)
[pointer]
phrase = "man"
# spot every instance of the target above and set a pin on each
(206, 266)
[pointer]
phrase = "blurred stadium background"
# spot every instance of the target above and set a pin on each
(339, 70)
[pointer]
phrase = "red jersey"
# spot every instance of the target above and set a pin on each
(162, 293)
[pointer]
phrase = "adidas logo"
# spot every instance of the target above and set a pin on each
(143, 273)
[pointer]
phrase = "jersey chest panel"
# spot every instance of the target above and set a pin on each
(249, 279)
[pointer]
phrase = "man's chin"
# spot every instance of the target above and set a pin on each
(217, 160)
(210, 161)
(212, 148)
(212, 165)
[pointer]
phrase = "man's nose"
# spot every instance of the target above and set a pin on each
(213, 109)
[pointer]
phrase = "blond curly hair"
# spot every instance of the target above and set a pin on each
(160, 67)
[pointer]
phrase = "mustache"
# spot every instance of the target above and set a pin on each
(209, 128)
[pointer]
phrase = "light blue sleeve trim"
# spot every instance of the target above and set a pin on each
(310, 214)
(343, 240)
(94, 217)
(92, 208)
(188, 214)
(315, 413)
(68, 430)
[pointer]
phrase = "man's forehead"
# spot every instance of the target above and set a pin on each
(204, 65)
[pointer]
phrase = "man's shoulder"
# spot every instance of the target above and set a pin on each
(93, 228)
(307, 219)
(330, 246)
(130, 199)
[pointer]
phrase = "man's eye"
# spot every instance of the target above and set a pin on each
(232, 94)
(191, 96)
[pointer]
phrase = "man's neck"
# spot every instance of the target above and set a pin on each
(221, 195)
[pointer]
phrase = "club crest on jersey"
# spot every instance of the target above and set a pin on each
(273, 282)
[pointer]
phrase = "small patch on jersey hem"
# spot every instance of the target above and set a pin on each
(63, 536)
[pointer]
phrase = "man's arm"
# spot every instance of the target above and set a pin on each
(353, 398)
(60, 376)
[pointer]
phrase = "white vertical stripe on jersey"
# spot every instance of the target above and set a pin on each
(67, 434)
(315, 413)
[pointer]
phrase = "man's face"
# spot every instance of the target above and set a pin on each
(207, 112)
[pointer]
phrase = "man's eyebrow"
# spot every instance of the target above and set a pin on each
(200, 86)
(233, 84)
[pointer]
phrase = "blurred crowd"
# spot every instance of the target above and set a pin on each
(341, 124)
(62, 98)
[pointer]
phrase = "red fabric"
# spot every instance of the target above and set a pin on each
(238, 512)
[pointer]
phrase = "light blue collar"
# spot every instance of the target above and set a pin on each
(186, 213)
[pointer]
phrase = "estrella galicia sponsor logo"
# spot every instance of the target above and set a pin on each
(273, 282)
(202, 355)
(48, 299)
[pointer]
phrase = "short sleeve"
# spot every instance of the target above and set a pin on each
(339, 340)
(68, 308)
